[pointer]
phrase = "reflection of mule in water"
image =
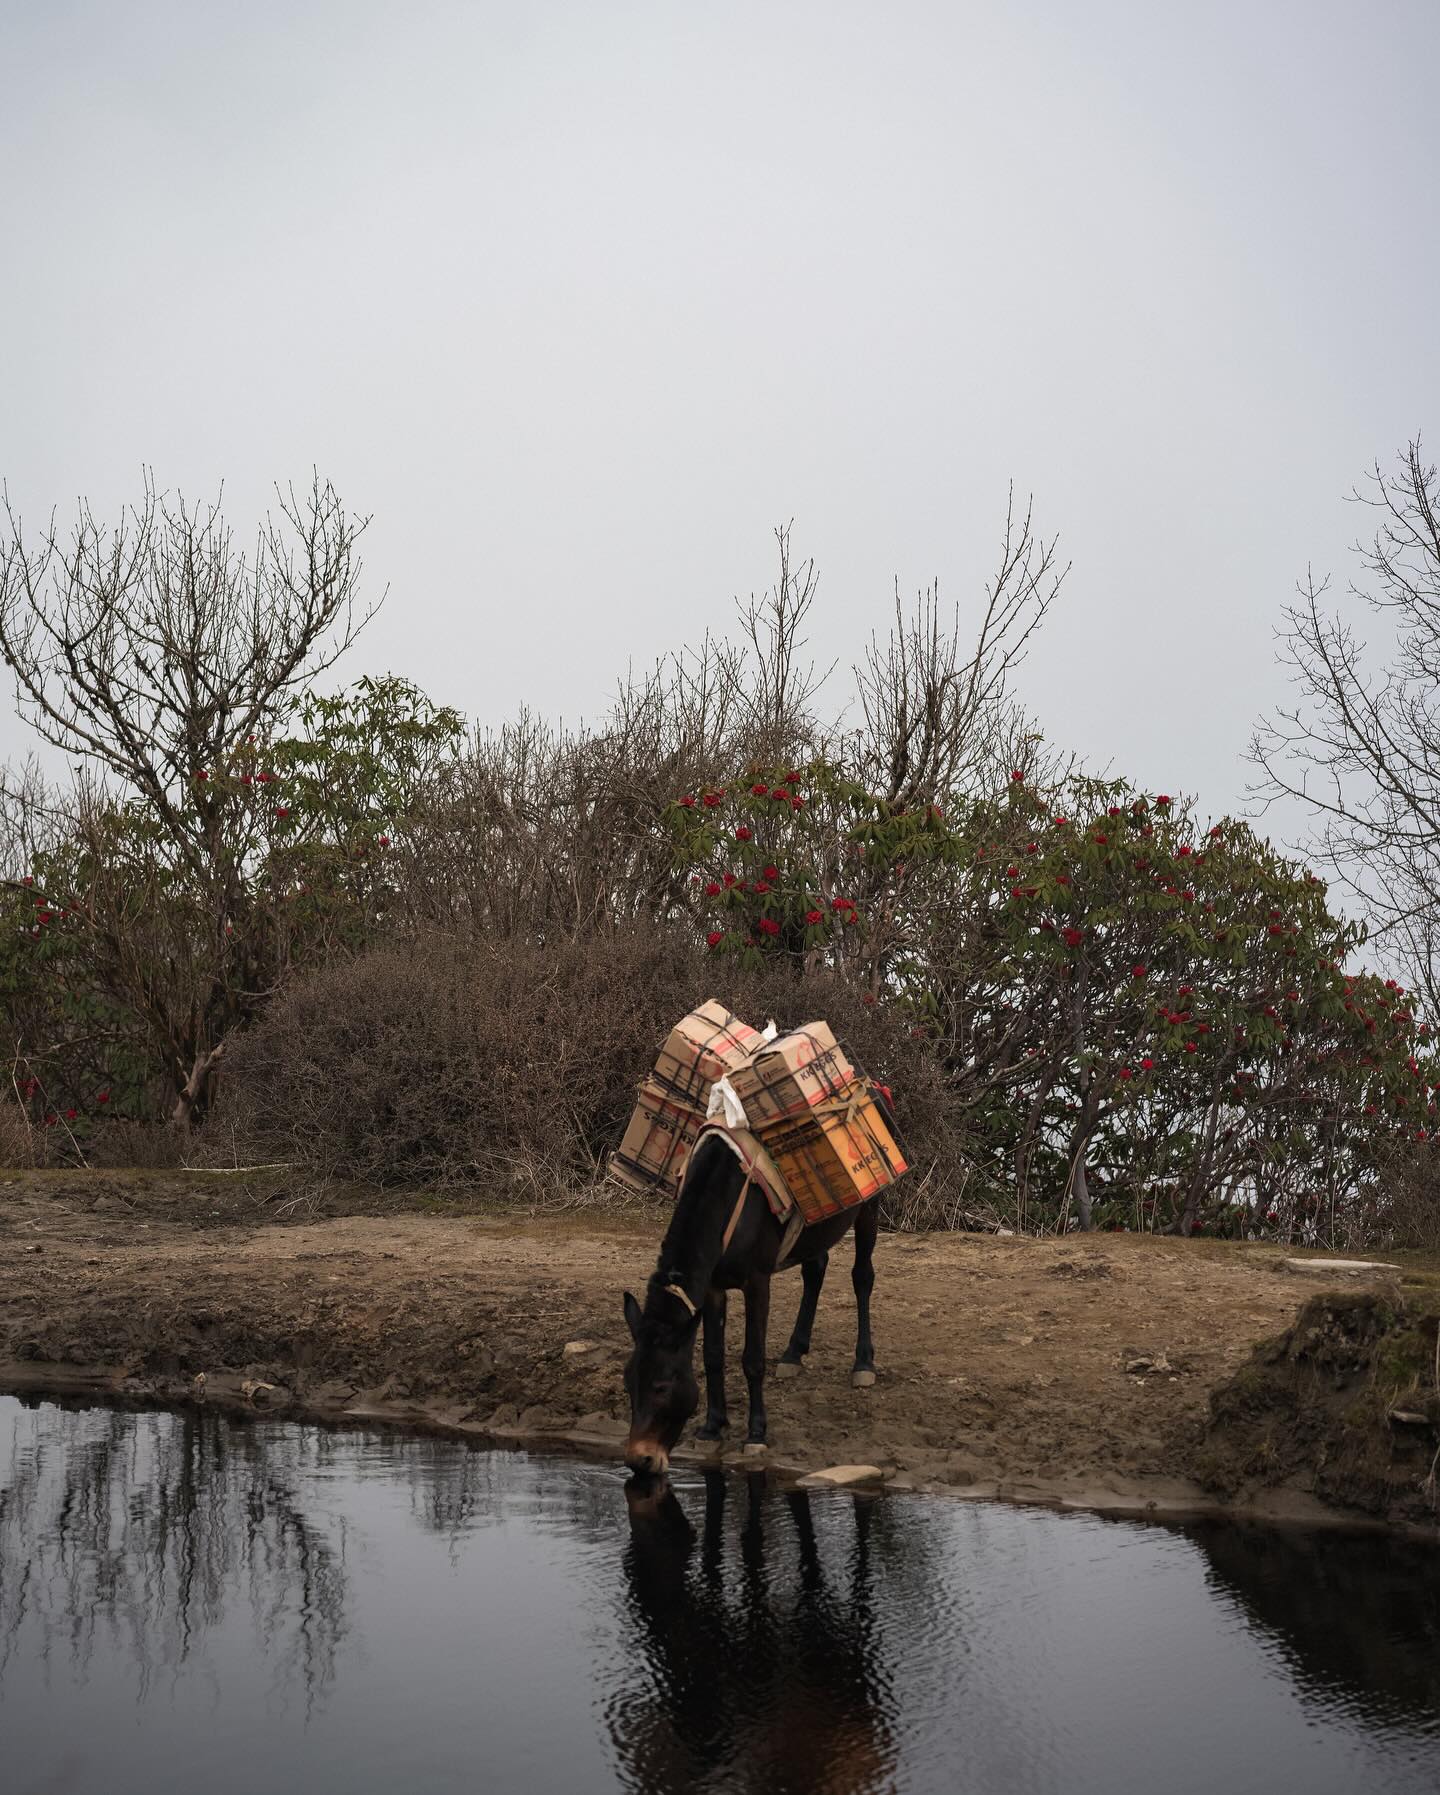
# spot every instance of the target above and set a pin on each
(764, 1673)
(722, 1237)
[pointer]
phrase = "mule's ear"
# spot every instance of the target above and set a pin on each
(632, 1316)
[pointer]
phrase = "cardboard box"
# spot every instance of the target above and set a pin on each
(701, 1048)
(652, 1156)
(704, 1046)
(782, 1081)
(840, 1152)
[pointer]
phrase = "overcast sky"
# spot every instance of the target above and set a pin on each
(580, 300)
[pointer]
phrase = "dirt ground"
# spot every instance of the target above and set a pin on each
(1074, 1371)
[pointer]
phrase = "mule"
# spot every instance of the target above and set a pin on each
(723, 1237)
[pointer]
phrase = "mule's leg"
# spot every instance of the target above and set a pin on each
(793, 1357)
(757, 1318)
(867, 1226)
(717, 1417)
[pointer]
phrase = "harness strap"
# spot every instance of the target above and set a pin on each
(684, 1295)
(734, 1221)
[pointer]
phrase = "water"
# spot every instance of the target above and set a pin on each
(191, 1605)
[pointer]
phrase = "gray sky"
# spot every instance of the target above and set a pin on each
(580, 300)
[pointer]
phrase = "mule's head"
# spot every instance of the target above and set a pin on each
(659, 1379)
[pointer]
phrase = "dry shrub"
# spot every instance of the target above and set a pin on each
(515, 1066)
(1407, 1206)
(21, 1143)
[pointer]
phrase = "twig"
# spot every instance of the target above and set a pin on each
(278, 1165)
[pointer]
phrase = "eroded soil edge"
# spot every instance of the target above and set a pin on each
(1077, 1372)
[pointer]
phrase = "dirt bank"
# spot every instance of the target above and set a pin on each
(1077, 1371)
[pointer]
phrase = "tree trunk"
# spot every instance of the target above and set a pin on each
(194, 1098)
(1081, 1188)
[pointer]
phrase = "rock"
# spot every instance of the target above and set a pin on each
(577, 1349)
(1338, 1268)
(1145, 1363)
(840, 1476)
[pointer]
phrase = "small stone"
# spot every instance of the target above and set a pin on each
(576, 1349)
(839, 1476)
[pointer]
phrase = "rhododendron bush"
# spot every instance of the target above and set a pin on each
(1146, 1022)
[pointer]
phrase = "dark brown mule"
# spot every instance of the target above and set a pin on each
(718, 1241)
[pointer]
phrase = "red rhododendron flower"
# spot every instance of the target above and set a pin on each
(200, 773)
(1183, 850)
(103, 1097)
(711, 799)
(814, 916)
(1114, 810)
(281, 812)
(767, 925)
(936, 811)
(1057, 822)
(1162, 797)
(714, 888)
(264, 778)
(1187, 897)
(714, 938)
(1217, 830)
(1102, 841)
(760, 887)
(771, 872)
(1072, 937)
(781, 794)
(70, 1114)
(383, 840)
(1012, 872)
(742, 833)
(1137, 972)
(1125, 1072)
(759, 791)
(50, 1121)
(686, 803)
(1018, 777)
(1186, 991)
(1032, 847)
(792, 776)
(730, 880)
(1147, 1065)
(842, 903)
(797, 803)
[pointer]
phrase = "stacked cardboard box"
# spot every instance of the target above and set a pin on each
(820, 1121)
(705, 1046)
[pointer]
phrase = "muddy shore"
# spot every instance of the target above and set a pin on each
(1076, 1372)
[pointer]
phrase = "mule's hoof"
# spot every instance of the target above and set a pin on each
(862, 1380)
(788, 1368)
(753, 1448)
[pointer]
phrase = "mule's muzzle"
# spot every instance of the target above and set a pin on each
(647, 1458)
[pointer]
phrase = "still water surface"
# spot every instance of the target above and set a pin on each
(187, 1604)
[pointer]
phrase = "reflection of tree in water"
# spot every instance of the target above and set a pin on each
(1357, 1615)
(760, 1662)
(148, 1528)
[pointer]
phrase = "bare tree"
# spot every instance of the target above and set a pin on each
(936, 702)
(150, 654)
(1360, 746)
